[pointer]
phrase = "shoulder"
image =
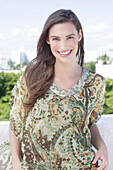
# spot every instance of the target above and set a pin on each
(20, 84)
(96, 75)
(94, 78)
(20, 87)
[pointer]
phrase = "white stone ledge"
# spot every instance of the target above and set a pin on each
(105, 125)
(4, 131)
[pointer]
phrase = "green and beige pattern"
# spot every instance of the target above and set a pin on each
(55, 134)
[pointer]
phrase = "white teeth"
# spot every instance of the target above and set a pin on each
(63, 53)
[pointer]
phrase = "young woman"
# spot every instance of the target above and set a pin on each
(56, 103)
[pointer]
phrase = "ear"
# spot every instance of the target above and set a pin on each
(47, 41)
(80, 35)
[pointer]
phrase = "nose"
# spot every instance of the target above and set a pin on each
(63, 45)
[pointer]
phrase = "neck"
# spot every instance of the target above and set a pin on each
(67, 71)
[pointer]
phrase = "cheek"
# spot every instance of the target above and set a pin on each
(75, 46)
(54, 47)
(74, 43)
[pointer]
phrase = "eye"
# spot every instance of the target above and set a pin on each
(55, 39)
(70, 38)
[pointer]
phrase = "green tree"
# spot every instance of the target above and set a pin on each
(90, 65)
(7, 82)
(108, 106)
(2, 82)
(105, 59)
(18, 66)
(11, 63)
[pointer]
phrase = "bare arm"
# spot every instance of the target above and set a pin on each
(96, 138)
(15, 151)
(99, 144)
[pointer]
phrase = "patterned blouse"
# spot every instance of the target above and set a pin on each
(55, 134)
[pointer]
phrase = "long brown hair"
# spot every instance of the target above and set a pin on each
(40, 71)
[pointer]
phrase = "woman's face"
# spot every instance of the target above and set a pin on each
(63, 40)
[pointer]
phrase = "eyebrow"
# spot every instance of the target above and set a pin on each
(66, 35)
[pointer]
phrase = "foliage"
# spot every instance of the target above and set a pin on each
(108, 106)
(7, 82)
(90, 65)
(4, 111)
(11, 63)
(105, 59)
(19, 66)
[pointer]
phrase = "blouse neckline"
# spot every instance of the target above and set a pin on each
(64, 92)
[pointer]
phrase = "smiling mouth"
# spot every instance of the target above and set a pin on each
(65, 52)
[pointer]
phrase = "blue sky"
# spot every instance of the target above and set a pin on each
(21, 22)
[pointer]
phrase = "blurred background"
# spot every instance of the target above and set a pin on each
(21, 23)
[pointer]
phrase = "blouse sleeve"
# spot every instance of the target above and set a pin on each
(98, 104)
(17, 113)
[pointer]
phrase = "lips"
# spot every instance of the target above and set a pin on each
(65, 53)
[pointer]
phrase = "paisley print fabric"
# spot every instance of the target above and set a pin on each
(55, 134)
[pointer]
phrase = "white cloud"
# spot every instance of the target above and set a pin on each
(32, 32)
(16, 32)
(96, 28)
(15, 38)
(1, 35)
(110, 46)
(102, 35)
(25, 32)
(19, 33)
(98, 33)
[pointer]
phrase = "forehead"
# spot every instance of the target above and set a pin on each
(62, 29)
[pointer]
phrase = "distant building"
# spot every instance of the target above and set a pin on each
(106, 70)
(106, 50)
(90, 55)
(22, 56)
(11, 71)
(18, 57)
(3, 62)
(31, 55)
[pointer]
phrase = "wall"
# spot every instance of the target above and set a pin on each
(105, 125)
(105, 70)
